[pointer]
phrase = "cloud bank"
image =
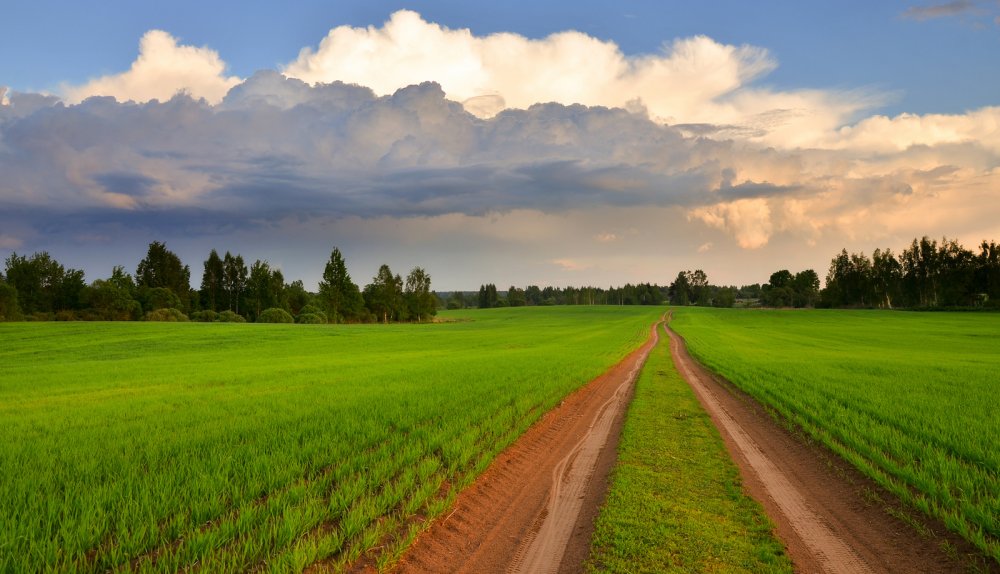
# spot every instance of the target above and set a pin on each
(563, 148)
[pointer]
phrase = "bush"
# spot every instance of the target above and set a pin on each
(157, 298)
(310, 310)
(312, 318)
(230, 317)
(169, 315)
(275, 315)
(205, 316)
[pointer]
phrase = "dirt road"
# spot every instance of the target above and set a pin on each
(533, 509)
(831, 518)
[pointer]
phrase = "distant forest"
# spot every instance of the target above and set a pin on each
(926, 275)
(39, 288)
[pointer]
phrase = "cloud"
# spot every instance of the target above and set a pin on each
(690, 81)
(277, 149)
(570, 264)
(881, 134)
(163, 68)
(748, 220)
(705, 247)
(939, 10)
(9, 242)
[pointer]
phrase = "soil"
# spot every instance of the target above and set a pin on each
(830, 516)
(533, 510)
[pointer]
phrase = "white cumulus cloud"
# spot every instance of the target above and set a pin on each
(691, 81)
(163, 68)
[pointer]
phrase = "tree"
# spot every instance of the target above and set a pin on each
(234, 279)
(724, 297)
(516, 297)
(420, 301)
(264, 289)
(384, 296)
(988, 270)
(338, 294)
(113, 299)
(488, 297)
(296, 296)
(42, 284)
(163, 268)
(10, 310)
(213, 282)
(957, 274)
(698, 287)
(533, 295)
(920, 272)
(805, 287)
(680, 290)
(887, 276)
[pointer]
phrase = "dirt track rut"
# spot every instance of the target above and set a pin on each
(533, 509)
(830, 517)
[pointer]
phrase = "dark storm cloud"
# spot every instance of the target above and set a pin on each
(276, 147)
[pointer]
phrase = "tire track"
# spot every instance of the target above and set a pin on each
(542, 552)
(553, 464)
(830, 517)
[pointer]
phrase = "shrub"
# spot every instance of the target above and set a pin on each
(66, 315)
(230, 317)
(165, 314)
(312, 318)
(275, 315)
(205, 316)
(310, 310)
(157, 298)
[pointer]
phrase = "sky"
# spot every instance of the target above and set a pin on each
(511, 143)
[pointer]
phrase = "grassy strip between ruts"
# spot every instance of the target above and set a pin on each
(675, 503)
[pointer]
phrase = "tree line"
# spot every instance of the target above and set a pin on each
(40, 288)
(533, 295)
(927, 274)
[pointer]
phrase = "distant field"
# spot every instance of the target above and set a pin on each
(910, 398)
(230, 447)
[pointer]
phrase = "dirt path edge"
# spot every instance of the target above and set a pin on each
(879, 532)
(505, 507)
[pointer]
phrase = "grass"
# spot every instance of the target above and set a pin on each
(908, 398)
(675, 503)
(144, 447)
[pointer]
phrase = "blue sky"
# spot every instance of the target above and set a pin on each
(944, 64)
(517, 142)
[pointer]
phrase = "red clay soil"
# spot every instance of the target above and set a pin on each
(830, 517)
(533, 510)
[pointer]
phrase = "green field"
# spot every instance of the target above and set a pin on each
(676, 504)
(909, 398)
(234, 447)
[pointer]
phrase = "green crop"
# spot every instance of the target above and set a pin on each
(676, 502)
(146, 447)
(908, 398)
